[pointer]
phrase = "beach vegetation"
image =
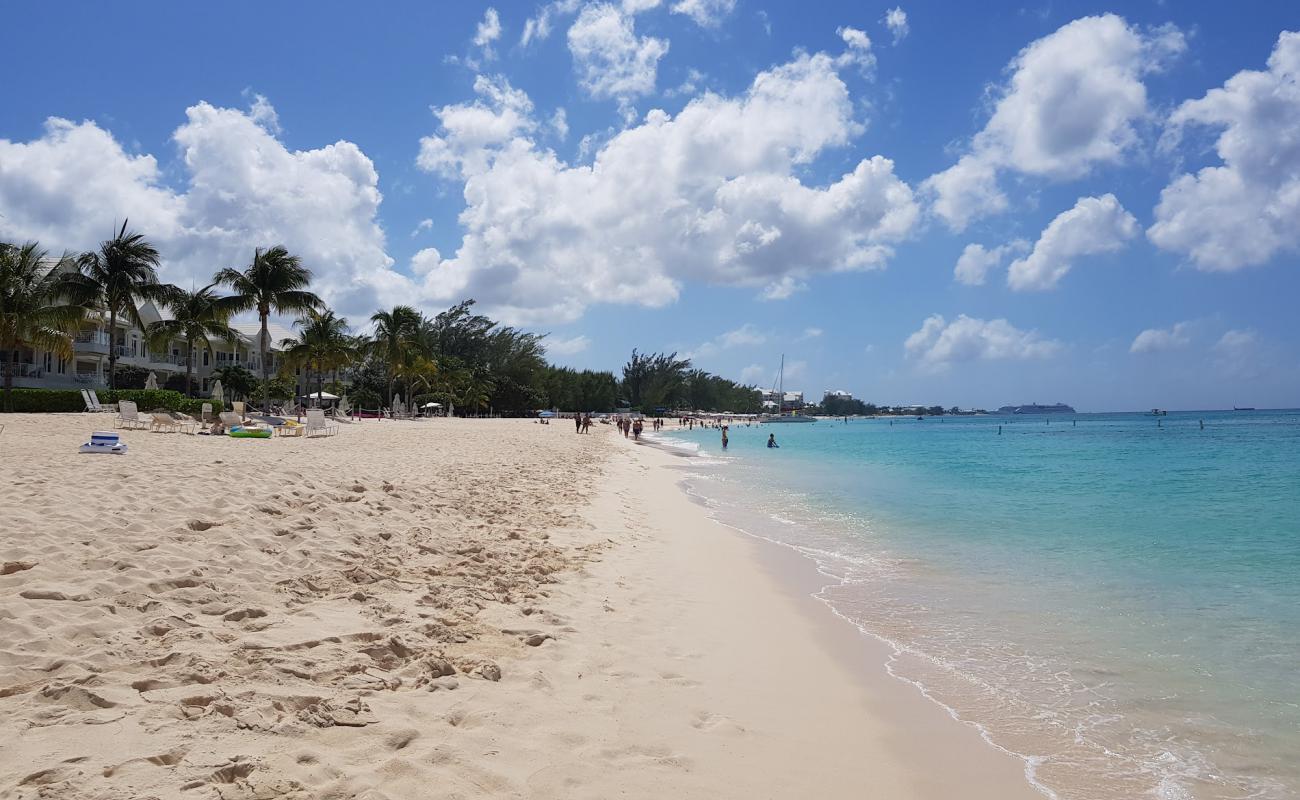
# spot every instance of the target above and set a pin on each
(121, 273)
(42, 303)
(198, 317)
(132, 377)
(238, 381)
(275, 281)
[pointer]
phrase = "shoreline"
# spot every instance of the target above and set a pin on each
(912, 732)
(444, 608)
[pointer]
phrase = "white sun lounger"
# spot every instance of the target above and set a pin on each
(317, 424)
(128, 416)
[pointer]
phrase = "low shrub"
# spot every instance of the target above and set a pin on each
(150, 399)
(61, 400)
(27, 401)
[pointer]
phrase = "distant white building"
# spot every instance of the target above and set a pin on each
(838, 394)
(789, 401)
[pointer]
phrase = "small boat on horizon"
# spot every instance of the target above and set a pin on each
(1243, 408)
(778, 390)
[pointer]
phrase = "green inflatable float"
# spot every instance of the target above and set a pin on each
(250, 433)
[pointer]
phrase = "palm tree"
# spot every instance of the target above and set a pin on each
(323, 344)
(41, 304)
(124, 269)
(397, 341)
(197, 317)
(275, 281)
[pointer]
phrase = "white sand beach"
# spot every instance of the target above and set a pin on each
(434, 609)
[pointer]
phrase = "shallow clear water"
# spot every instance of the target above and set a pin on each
(1113, 597)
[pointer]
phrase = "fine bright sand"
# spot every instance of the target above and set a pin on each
(434, 609)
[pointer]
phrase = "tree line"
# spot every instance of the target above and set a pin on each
(458, 358)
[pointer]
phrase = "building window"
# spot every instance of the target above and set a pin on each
(205, 358)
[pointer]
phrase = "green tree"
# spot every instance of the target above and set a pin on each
(653, 380)
(198, 317)
(41, 305)
(236, 379)
(323, 344)
(398, 340)
(124, 269)
(274, 281)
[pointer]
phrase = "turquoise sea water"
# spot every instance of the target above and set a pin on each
(1113, 597)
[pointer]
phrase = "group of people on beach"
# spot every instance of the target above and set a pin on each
(582, 423)
(632, 427)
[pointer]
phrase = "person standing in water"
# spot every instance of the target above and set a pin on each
(724, 437)
(771, 440)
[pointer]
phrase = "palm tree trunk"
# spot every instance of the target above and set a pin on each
(264, 345)
(112, 348)
(9, 374)
(189, 367)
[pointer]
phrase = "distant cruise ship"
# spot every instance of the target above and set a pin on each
(1034, 408)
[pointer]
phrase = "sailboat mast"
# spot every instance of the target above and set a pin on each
(780, 392)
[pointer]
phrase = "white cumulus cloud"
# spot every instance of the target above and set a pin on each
(1236, 342)
(1095, 225)
(1246, 210)
(608, 56)
(712, 194)
(939, 343)
(487, 32)
(858, 50)
(746, 335)
(976, 261)
(539, 26)
(706, 13)
(896, 21)
(567, 347)
(1072, 102)
(1154, 340)
(241, 188)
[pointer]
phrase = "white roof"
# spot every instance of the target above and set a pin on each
(251, 329)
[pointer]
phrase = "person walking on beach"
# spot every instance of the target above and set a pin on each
(577, 423)
(636, 430)
(771, 440)
(586, 423)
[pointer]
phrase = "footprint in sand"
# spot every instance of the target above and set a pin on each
(709, 722)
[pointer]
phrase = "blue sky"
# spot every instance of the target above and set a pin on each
(732, 179)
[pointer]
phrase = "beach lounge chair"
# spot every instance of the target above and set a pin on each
(128, 416)
(317, 424)
(230, 419)
(184, 422)
(94, 401)
(85, 398)
(207, 412)
(163, 423)
(237, 406)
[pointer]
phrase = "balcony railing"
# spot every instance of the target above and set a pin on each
(22, 369)
(91, 342)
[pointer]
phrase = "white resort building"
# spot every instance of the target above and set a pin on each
(88, 367)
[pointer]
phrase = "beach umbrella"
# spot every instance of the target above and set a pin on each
(217, 395)
(323, 396)
(151, 382)
(545, 413)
